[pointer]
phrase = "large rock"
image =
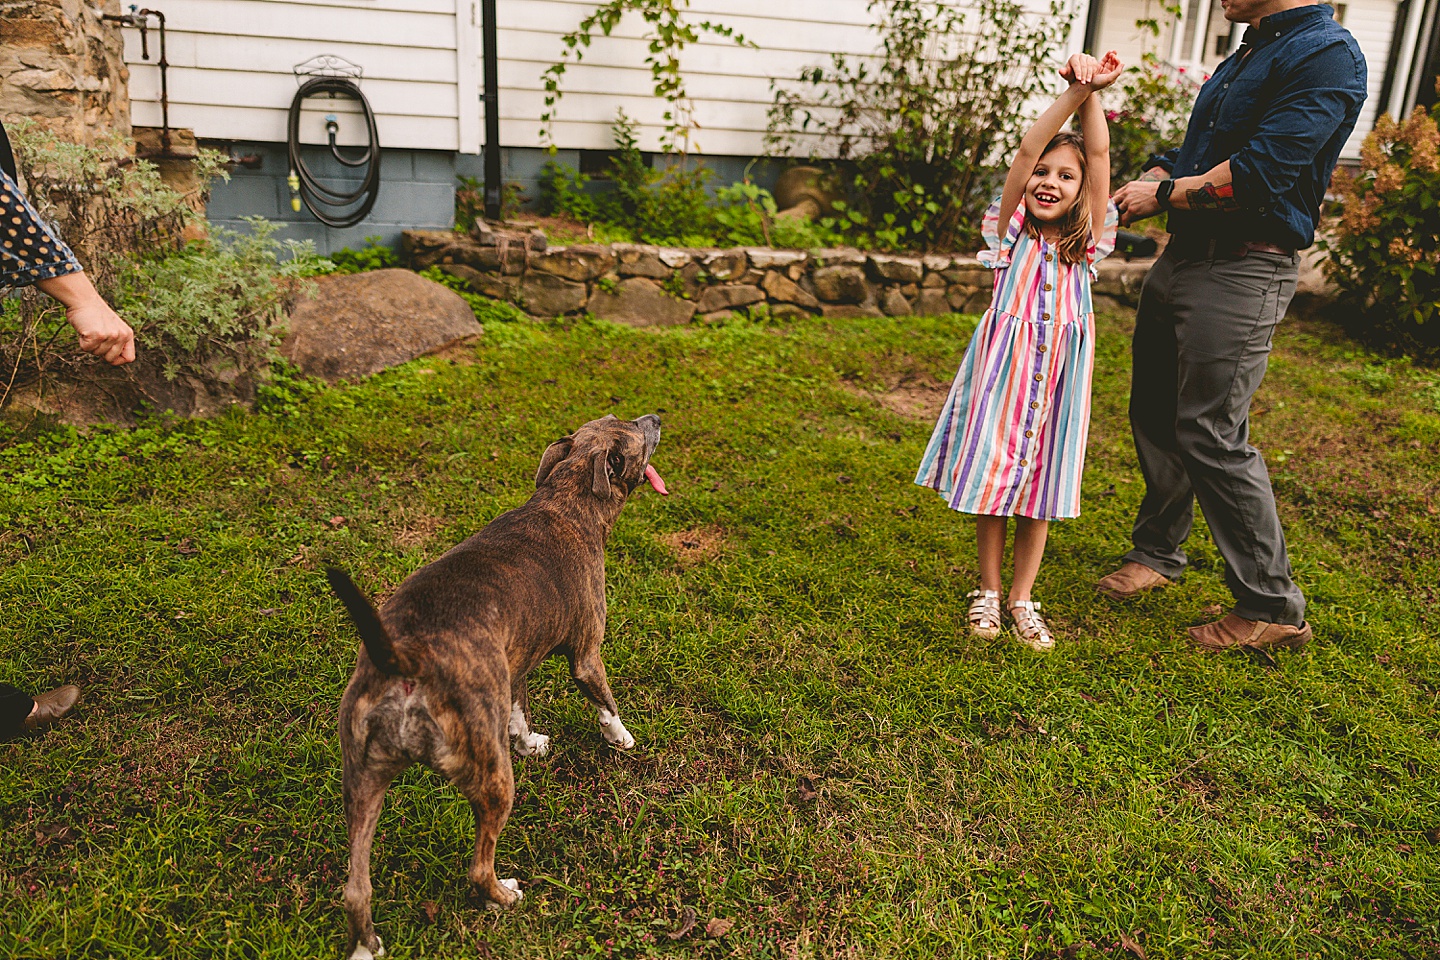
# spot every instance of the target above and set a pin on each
(726, 264)
(897, 269)
(932, 302)
(575, 263)
(893, 302)
(546, 295)
(843, 284)
(728, 298)
(640, 303)
(361, 324)
(779, 287)
(486, 284)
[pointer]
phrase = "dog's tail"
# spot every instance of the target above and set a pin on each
(378, 644)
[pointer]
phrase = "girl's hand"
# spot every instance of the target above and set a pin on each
(1080, 68)
(1107, 72)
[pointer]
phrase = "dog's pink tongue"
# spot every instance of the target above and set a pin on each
(655, 481)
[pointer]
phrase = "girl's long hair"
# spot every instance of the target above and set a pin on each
(1074, 237)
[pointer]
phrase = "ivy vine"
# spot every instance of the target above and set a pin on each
(667, 34)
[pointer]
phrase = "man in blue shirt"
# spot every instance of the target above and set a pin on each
(1243, 193)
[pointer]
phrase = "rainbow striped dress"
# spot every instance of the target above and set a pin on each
(1011, 437)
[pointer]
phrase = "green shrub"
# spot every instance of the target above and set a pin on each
(746, 216)
(213, 300)
(373, 256)
(1386, 248)
(926, 121)
(1152, 111)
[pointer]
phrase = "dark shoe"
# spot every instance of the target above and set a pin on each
(1237, 633)
(52, 706)
(1131, 580)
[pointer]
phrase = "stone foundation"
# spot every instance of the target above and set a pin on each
(649, 286)
(62, 66)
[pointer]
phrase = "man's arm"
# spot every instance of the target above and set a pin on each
(1214, 190)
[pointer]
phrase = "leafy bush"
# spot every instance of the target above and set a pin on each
(931, 120)
(669, 206)
(746, 216)
(373, 256)
(1386, 248)
(1151, 113)
(216, 299)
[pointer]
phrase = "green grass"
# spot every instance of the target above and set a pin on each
(825, 757)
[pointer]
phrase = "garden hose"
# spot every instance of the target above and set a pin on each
(304, 184)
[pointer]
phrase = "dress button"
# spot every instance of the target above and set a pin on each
(1034, 405)
(1049, 286)
(1049, 257)
(1029, 434)
(1023, 462)
(1039, 377)
(1044, 316)
(1044, 347)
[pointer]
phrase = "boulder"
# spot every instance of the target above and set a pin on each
(726, 264)
(932, 302)
(842, 284)
(640, 303)
(575, 263)
(779, 287)
(894, 304)
(546, 295)
(728, 298)
(897, 269)
(634, 260)
(360, 324)
(969, 272)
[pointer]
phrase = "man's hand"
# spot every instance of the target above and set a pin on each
(100, 330)
(1136, 200)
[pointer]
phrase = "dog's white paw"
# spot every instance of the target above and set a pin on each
(362, 952)
(513, 885)
(532, 745)
(614, 731)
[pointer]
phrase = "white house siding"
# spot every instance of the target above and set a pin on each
(731, 86)
(1373, 24)
(231, 78)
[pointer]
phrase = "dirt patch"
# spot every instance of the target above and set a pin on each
(696, 545)
(913, 398)
(415, 529)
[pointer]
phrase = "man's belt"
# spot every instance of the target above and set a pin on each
(1220, 248)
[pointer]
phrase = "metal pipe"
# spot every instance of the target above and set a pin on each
(491, 56)
(140, 20)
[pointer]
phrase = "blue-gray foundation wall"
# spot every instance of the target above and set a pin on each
(417, 188)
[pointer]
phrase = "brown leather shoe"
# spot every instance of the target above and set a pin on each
(52, 706)
(1131, 580)
(1237, 633)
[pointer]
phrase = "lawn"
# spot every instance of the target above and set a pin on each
(826, 761)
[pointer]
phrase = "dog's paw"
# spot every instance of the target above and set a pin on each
(513, 885)
(533, 745)
(363, 952)
(615, 733)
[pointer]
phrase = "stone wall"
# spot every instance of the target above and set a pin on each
(647, 286)
(62, 66)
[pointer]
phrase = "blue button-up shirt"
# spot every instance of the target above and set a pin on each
(1280, 110)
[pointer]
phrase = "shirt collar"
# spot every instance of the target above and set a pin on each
(1278, 24)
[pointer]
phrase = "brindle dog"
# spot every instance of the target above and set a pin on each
(441, 677)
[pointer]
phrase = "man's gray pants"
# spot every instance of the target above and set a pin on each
(1202, 340)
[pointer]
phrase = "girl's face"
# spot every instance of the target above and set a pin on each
(1055, 185)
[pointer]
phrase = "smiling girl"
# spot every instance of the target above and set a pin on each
(1010, 441)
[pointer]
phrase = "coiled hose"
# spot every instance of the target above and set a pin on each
(324, 202)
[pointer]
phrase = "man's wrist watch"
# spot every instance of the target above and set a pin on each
(1162, 194)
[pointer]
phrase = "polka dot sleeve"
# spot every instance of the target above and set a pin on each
(29, 251)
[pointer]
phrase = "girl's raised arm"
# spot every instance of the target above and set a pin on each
(1096, 134)
(1080, 70)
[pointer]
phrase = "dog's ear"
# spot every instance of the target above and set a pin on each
(554, 453)
(600, 486)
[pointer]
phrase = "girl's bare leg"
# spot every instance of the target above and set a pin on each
(1029, 551)
(990, 544)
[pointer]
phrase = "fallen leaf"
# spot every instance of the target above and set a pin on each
(187, 548)
(337, 522)
(805, 787)
(1214, 610)
(718, 927)
(1132, 947)
(430, 911)
(267, 611)
(482, 948)
(687, 923)
(1403, 848)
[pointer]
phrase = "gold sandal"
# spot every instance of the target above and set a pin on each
(984, 613)
(1030, 627)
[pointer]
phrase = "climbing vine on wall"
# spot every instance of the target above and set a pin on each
(667, 34)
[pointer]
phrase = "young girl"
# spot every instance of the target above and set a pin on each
(1011, 438)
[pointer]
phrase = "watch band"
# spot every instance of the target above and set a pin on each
(1162, 194)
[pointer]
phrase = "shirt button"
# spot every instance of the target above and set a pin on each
(1226, 87)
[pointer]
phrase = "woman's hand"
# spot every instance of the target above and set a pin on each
(99, 329)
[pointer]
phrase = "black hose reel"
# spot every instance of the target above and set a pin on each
(327, 204)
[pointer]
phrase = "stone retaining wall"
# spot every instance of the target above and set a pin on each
(647, 286)
(64, 67)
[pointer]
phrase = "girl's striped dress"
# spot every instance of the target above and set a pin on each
(1011, 438)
